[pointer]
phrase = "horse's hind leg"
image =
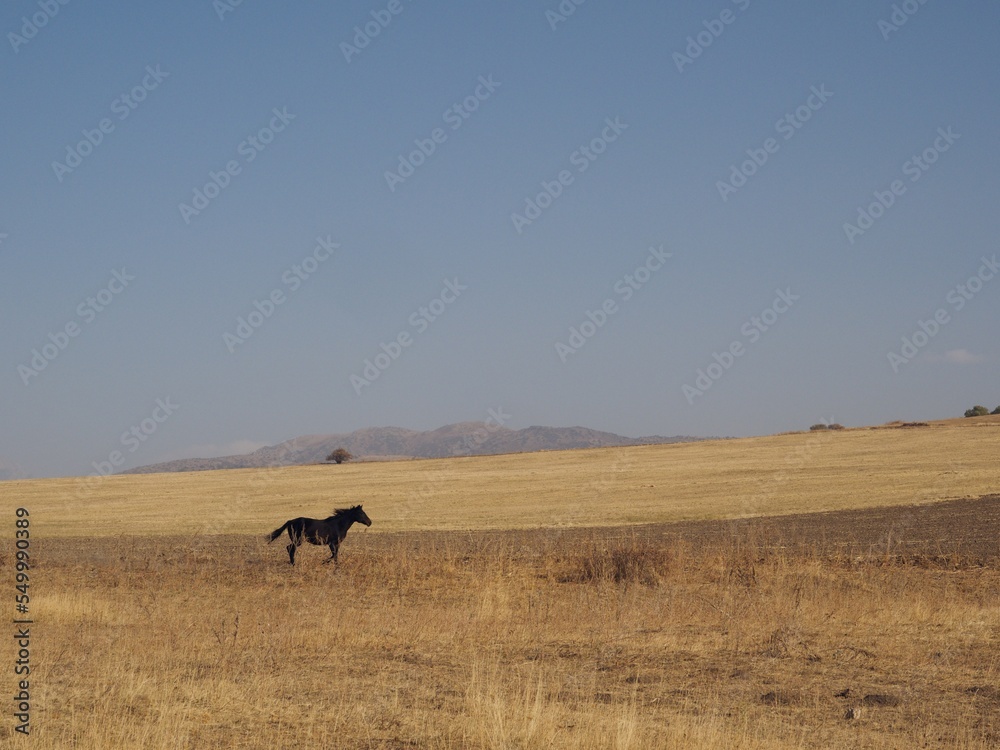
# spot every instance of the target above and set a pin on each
(291, 553)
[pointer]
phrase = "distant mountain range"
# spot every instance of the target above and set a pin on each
(394, 443)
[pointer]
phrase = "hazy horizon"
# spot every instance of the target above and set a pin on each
(230, 224)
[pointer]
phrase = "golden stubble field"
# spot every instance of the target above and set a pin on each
(792, 473)
(524, 601)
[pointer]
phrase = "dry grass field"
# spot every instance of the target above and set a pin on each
(588, 599)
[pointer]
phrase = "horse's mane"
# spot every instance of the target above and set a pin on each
(339, 512)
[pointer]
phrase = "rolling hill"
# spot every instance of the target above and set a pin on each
(385, 443)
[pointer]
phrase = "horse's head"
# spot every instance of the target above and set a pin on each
(360, 516)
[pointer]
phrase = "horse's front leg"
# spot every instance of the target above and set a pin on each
(334, 546)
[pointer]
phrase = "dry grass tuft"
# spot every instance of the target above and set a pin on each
(622, 561)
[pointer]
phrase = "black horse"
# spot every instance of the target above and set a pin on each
(330, 531)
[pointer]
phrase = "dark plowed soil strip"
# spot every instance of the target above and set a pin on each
(968, 529)
(960, 532)
(954, 533)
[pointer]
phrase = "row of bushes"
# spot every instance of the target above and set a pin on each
(980, 411)
(975, 411)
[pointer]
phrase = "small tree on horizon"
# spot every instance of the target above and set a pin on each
(977, 411)
(339, 456)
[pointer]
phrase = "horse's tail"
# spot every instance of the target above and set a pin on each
(277, 532)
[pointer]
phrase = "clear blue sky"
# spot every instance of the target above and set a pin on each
(309, 123)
